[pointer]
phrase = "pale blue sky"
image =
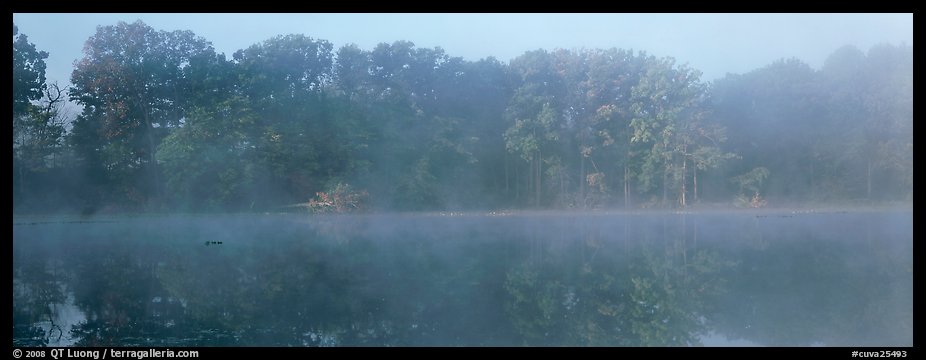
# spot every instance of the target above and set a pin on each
(713, 43)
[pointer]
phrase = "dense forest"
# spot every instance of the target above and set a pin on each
(168, 124)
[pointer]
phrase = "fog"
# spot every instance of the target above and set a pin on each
(773, 279)
(672, 162)
(161, 120)
(716, 44)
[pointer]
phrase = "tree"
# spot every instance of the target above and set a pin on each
(352, 71)
(533, 114)
(28, 73)
(412, 129)
(868, 141)
(131, 82)
(283, 69)
(527, 137)
(477, 93)
(750, 184)
(888, 104)
(775, 118)
(418, 128)
(207, 160)
(38, 119)
(41, 133)
(294, 137)
(612, 74)
(843, 151)
(668, 106)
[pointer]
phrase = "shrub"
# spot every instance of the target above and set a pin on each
(342, 199)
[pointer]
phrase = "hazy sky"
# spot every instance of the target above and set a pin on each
(713, 43)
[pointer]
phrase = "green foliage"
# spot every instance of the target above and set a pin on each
(751, 181)
(28, 72)
(38, 124)
(205, 160)
(40, 131)
(283, 68)
(642, 299)
(132, 84)
(825, 134)
(167, 123)
(750, 184)
(588, 281)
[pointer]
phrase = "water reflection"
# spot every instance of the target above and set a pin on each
(599, 280)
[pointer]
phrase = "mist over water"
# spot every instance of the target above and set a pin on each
(365, 180)
(772, 278)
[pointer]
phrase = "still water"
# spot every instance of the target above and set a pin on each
(716, 279)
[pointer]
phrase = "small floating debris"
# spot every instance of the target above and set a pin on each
(208, 242)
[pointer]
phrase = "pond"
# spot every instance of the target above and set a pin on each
(772, 278)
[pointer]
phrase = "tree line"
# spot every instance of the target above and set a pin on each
(167, 123)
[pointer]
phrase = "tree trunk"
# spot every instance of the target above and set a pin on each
(529, 188)
(153, 164)
(582, 179)
(539, 182)
(152, 147)
(517, 183)
(626, 187)
(684, 180)
(507, 194)
(665, 180)
(22, 181)
(694, 172)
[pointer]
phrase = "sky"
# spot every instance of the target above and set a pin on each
(716, 44)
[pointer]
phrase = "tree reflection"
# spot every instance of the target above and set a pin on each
(626, 297)
(36, 293)
(381, 281)
(834, 288)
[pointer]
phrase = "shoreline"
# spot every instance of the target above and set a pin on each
(34, 219)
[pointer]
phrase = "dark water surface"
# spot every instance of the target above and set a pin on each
(770, 278)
